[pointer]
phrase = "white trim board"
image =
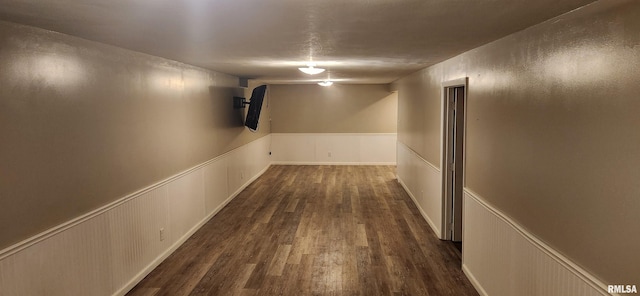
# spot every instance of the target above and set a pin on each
(330, 163)
(419, 157)
(503, 258)
(332, 134)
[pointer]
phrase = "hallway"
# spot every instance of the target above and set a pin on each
(314, 230)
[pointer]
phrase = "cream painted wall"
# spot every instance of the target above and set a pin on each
(339, 108)
(83, 124)
(552, 140)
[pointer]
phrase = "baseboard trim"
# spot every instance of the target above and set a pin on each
(422, 212)
(329, 163)
(17, 247)
(474, 281)
(331, 134)
(156, 262)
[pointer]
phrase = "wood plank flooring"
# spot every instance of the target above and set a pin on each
(314, 230)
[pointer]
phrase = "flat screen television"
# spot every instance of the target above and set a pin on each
(255, 105)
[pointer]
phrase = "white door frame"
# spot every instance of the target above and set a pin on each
(445, 230)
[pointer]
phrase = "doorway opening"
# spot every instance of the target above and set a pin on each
(454, 97)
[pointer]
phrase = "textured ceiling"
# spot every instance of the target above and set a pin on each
(359, 41)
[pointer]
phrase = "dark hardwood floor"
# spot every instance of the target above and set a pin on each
(314, 230)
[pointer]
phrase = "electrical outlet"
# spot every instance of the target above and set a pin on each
(161, 234)
(329, 154)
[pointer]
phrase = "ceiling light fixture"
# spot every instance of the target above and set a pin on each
(311, 69)
(326, 83)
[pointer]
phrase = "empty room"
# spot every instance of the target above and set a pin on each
(280, 147)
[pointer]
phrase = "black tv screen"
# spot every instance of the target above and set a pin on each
(255, 105)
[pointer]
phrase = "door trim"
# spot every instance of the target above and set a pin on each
(445, 229)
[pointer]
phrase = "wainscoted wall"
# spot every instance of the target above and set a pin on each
(108, 250)
(502, 258)
(423, 182)
(83, 124)
(499, 256)
(334, 148)
(545, 106)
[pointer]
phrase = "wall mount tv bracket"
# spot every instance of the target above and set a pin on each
(239, 102)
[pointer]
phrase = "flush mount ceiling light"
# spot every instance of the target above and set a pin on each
(311, 69)
(326, 83)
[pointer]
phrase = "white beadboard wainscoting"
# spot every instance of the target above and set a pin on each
(499, 256)
(423, 182)
(502, 258)
(334, 148)
(108, 251)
